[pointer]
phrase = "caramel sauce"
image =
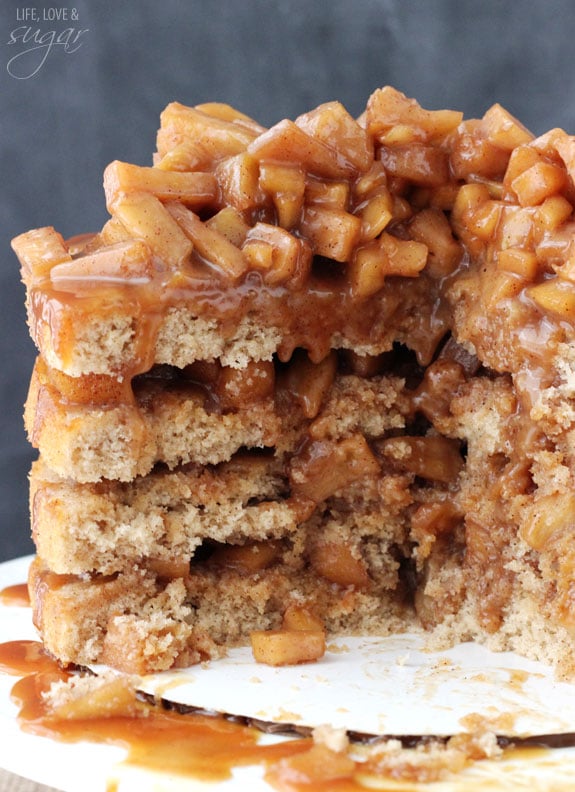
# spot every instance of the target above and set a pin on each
(16, 596)
(25, 657)
(199, 746)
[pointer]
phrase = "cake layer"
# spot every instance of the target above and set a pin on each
(141, 623)
(163, 417)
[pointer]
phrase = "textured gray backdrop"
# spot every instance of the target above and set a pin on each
(79, 91)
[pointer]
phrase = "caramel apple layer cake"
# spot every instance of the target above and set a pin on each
(307, 380)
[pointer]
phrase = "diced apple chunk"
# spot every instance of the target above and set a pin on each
(39, 250)
(281, 255)
(521, 262)
(229, 222)
(127, 262)
(403, 257)
(333, 125)
(556, 296)
(540, 181)
(503, 130)
(247, 559)
(417, 163)
(376, 213)
(331, 232)
(367, 271)
(434, 458)
(324, 467)
(388, 107)
(220, 137)
(431, 227)
(299, 617)
(548, 518)
(145, 217)
(287, 647)
(288, 143)
(238, 178)
(337, 563)
(192, 189)
(309, 383)
(286, 185)
(209, 243)
(106, 697)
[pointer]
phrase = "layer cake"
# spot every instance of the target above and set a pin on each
(319, 375)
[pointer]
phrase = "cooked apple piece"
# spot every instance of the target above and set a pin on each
(237, 388)
(229, 222)
(309, 383)
(431, 227)
(210, 244)
(329, 193)
(376, 213)
(556, 296)
(97, 697)
(371, 182)
(287, 647)
(503, 286)
(220, 137)
(483, 220)
(113, 232)
(474, 155)
(367, 270)
(238, 178)
(388, 107)
(324, 467)
(286, 142)
(170, 568)
(333, 125)
(300, 617)
(226, 112)
(282, 256)
(519, 261)
(521, 159)
(247, 559)
(127, 262)
(331, 232)
(185, 156)
(403, 257)
(145, 217)
(503, 130)
(286, 185)
(417, 163)
(548, 518)
(433, 457)
(469, 198)
(540, 181)
(39, 251)
(554, 211)
(337, 563)
(193, 189)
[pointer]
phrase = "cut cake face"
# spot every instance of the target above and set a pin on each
(324, 368)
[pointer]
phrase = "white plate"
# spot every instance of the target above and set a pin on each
(368, 685)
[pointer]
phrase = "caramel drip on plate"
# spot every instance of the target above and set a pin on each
(15, 596)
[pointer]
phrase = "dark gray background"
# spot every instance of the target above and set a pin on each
(270, 59)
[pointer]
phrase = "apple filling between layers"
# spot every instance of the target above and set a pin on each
(324, 369)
